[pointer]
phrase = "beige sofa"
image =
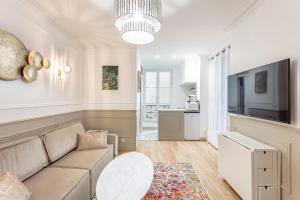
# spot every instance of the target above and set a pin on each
(50, 166)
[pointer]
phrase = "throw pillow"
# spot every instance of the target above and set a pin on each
(92, 141)
(13, 189)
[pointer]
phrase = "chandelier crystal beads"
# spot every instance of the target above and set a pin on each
(138, 20)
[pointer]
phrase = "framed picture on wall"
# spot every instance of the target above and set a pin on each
(110, 77)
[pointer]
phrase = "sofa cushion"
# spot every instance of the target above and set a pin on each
(23, 157)
(59, 184)
(92, 160)
(62, 140)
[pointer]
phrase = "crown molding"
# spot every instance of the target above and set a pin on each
(33, 6)
(243, 14)
(35, 14)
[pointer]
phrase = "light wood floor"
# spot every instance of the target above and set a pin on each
(201, 155)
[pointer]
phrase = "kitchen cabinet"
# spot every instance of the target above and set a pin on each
(192, 126)
(178, 125)
(171, 125)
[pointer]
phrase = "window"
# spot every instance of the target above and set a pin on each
(164, 88)
(151, 87)
(158, 93)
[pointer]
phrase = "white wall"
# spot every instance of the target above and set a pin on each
(48, 95)
(78, 90)
(123, 99)
(271, 33)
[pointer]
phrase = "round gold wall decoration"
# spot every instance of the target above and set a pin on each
(36, 59)
(46, 63)
(30, 73)
(12, 56)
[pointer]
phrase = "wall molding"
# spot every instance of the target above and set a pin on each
(25, 106)
(110, 106)
(242, 15)
(108, 103)
(36, 126)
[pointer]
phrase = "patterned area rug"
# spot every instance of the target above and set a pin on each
(175, 181)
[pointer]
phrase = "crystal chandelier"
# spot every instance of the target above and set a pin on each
(138, 20)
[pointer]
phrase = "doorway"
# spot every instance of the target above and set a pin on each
(156, 95)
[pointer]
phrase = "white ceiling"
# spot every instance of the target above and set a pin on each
(195, 28)
(89, 21)
(189, 27)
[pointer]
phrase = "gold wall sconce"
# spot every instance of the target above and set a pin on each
(66, 69)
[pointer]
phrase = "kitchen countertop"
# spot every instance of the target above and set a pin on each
(173, 110)
(179, 110)
(191, 111)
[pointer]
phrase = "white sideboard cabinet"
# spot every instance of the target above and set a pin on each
(251, 168)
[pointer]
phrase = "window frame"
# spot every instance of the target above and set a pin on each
(171, 95)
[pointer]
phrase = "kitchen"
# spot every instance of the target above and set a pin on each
(170, 100)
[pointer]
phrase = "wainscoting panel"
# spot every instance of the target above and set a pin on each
(19, 129)
(283, 137)
(116, 121)
(122, 122)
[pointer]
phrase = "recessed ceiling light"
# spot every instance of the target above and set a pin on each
(174, 56)
(157, 56)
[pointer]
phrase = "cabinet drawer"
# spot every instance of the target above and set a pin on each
(266, 193)
(264, 159)
(265, 177)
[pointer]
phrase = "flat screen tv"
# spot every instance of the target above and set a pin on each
(263, 92)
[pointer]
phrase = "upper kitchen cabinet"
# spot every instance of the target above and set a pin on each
(191, 75)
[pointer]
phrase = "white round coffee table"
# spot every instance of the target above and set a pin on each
(128, 177)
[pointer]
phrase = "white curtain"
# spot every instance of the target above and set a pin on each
(218, 100)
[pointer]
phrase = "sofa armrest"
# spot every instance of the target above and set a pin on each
(113, 139)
